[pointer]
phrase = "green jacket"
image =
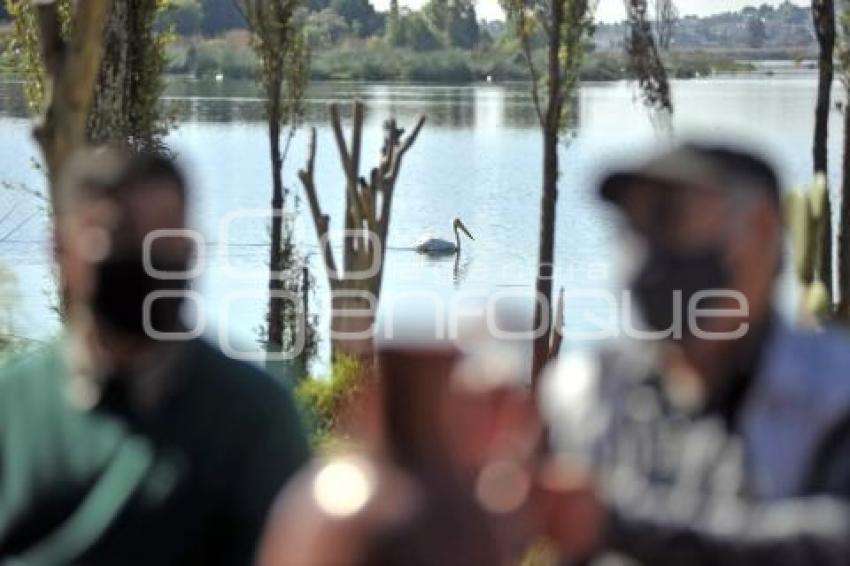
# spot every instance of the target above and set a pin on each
(189, 483)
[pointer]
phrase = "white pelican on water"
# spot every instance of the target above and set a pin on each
(437, 246)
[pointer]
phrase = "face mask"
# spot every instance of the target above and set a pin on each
(122, 283)
(664, 272)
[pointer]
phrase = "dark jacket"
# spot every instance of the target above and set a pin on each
(189, 482)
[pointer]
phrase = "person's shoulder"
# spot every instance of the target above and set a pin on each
(823, 354)
(28, 382)
(811, 364)
(244, 384)
(29, 366)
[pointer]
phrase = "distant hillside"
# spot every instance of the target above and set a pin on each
(786, 26)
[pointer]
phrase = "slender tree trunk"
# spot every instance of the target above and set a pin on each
(823, 14)
(549, 199)
(825, 79)
(275, 317)
(844, 228)
(110, 110)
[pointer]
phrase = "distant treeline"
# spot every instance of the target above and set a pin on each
(328, 23)
(763, 27)
(442, 24)
(446, 41)
(446, 24)
(231, 57)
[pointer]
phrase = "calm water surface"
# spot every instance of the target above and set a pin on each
(478, 158)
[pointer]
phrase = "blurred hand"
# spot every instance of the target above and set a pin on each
(572, 513)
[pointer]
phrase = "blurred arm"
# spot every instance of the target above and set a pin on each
(813, 531)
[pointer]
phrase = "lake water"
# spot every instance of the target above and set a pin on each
(478, 158)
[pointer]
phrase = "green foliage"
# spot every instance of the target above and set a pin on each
(702, 64)
(451, 66)
(532, 19)
(455, 23)
(383, 63)
(325, 29)
(360, 15)
(208, 58)
(416, 33)
(126, 103)
(437, 14)
(324, 399)
(126, 106)
(23, 52)
(608, 67)
(463, 30)
(378, 61)
(283, 55)
(806, 213)
(184, 17)
(646, 64)
(393, 24)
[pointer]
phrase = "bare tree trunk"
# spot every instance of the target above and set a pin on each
(276, 315)
(843, 310)
(823, 14)
(72, 70)
(546, 254)
(356, 288)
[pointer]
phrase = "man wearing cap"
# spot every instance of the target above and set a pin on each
(130, 440)
(716, 434)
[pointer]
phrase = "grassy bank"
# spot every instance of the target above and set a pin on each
(375, 61)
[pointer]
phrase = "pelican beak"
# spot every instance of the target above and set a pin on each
(465, 231)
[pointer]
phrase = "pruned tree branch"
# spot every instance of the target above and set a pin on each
(320, 221)
(367, 220)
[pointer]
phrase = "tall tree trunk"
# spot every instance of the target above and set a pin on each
(126, 104)
(546, 255)
(275, 316)
(844, 227)
(72, 70)
(110, 111)
(823, 14)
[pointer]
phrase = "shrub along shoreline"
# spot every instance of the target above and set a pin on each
(378, 62)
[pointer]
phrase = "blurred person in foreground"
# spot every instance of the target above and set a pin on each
(449, 485)
(117, 447)
(725, 438)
